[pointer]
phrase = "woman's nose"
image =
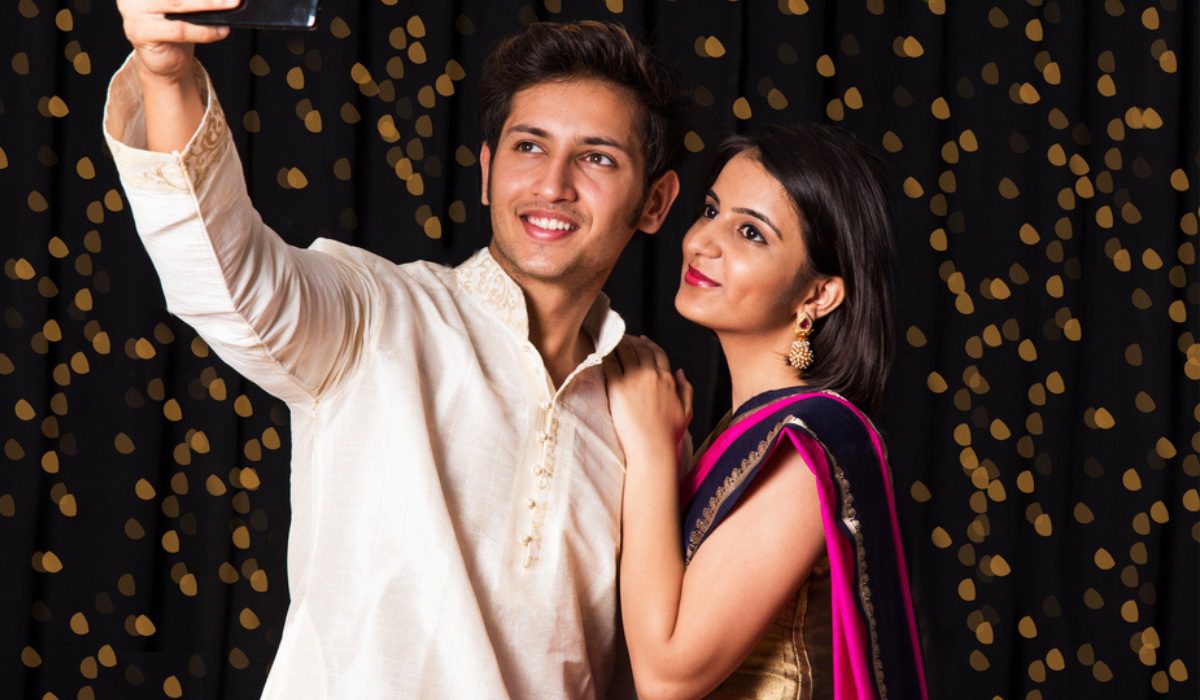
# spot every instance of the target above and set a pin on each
(700, 239)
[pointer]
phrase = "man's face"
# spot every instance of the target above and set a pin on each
(566, 183)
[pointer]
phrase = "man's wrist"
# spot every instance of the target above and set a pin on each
(183, 81)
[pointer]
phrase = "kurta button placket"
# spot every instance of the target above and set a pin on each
(543, 471)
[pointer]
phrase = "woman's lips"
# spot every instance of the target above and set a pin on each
(697, 279)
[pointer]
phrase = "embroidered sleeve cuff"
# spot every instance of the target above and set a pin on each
(125, 132)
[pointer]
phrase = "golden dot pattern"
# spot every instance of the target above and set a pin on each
(1042, 417)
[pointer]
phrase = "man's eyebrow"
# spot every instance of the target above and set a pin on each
(606, 141)
(761, 217)
(529, 129)
(587, 140)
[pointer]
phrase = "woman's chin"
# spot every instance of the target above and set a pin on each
(688, 308)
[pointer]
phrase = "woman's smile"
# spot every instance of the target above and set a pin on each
(698, 279)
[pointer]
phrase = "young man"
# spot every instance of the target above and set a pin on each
(456, 480)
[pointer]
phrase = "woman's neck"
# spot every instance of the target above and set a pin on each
(756, 364)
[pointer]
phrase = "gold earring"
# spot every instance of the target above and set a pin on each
(800, 355)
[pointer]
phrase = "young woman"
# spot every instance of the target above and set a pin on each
(788, 579)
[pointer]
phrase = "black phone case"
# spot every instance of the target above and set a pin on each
(259, 14)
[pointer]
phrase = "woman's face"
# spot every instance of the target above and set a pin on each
(743, 256)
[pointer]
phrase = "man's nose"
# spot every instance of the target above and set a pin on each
(557, 179)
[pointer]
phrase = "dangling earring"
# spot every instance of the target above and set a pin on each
(800, 355)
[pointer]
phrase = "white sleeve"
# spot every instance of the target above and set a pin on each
(292, 320)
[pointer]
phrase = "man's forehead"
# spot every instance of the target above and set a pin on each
(583, 108)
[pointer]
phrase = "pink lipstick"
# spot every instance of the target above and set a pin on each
(697, 279)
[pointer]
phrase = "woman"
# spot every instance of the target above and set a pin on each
(788, 579)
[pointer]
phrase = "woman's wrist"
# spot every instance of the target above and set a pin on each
(651, 451)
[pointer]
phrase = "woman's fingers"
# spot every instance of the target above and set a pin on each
(684, 387)
(656, 355)
(612, 368)
(649, 355)
(627, 355)
(638, 345)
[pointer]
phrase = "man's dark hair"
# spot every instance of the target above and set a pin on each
(836, 185)
(548, 51)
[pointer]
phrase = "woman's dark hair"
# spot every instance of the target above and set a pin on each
(548, 51)
(837, 187)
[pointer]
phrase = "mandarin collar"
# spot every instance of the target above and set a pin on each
(485, 281)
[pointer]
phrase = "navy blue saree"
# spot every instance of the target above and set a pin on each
(876, 653)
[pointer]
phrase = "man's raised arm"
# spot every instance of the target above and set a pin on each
(164, 63)
(292, 320)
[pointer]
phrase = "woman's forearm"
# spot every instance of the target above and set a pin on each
(652, 567)
(688, 628)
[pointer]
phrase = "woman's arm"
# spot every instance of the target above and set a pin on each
(688, 629)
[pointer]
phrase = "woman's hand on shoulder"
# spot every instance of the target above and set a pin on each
(649, 402)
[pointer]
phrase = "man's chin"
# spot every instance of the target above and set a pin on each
(537, 267)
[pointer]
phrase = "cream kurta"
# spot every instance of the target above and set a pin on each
(455, 519)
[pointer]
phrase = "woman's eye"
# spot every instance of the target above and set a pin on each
(750, 233)
(708, 211)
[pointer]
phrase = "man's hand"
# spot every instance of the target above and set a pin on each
(164, 50)
(164, 47)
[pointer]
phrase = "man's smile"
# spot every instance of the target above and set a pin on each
(548, 226)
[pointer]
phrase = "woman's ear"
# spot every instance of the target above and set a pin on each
(824, 295)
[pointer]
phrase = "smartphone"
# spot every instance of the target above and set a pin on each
(258, 14)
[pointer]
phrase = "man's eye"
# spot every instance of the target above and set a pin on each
(750, 233)
(528, 147)
(600, 159)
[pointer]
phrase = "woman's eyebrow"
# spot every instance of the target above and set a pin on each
(761, 217)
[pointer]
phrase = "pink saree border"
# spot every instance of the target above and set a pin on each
(856, 682)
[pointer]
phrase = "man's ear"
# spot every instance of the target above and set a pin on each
(485, 163)
(659, 199)
(823, 296)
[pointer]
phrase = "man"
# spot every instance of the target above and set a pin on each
(456, 481)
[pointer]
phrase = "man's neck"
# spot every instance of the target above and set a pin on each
(556, 326)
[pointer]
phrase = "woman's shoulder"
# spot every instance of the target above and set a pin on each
(824, 416)
(799, 402)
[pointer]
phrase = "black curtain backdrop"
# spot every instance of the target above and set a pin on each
(1042, 418)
